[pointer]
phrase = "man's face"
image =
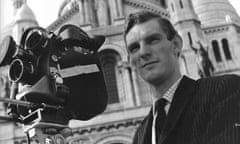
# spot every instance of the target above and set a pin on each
(151, 53)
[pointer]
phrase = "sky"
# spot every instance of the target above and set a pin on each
(46, 10)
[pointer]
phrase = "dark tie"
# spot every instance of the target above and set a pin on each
(161, 115)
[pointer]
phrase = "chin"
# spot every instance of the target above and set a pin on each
(154, 78)
(151, 78)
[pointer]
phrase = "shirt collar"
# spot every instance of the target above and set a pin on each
(168, 95)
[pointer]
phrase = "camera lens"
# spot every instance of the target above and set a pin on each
(16, 70)
(20, 71)
(37, 41)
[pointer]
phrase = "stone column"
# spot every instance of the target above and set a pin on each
(117, 11)
(81, 12)
(125, 83)
(136, 88)
(102, 12)
(86, 12)
(92, 13)
(116, 8)
(119, 8)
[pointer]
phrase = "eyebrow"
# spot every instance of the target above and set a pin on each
(153, 35)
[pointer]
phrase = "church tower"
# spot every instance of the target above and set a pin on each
(220, 25)
(23, 18)
(17, 4)
(188, 25)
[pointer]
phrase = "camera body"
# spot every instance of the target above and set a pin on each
(62, 70)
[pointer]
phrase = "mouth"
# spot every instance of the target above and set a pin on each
(147, 64)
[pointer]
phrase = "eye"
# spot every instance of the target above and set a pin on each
(133, 48)
(154, 39)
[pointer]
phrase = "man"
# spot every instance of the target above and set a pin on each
(206, 111)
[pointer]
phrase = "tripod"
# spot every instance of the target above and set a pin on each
(40, 127)
(42, 132)
(42, 123)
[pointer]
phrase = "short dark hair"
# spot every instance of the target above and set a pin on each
(144, 16)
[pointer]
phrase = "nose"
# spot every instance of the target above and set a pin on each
(145, 51)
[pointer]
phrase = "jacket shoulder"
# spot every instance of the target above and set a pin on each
(223, 79)
(220, 87)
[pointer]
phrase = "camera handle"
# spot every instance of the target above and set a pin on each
(41, 132)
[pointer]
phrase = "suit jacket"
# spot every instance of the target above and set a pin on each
(206, 111)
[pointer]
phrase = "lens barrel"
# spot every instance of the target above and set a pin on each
(21, 71)
(37, 41)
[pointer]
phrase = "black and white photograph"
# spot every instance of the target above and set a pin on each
(119, 72)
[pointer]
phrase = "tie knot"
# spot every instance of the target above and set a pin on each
(160, 104)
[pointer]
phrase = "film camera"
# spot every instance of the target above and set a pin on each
(60, 74)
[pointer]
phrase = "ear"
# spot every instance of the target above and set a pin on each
(178, 44)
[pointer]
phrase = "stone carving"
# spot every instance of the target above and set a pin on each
(205, 66)
(77, 139)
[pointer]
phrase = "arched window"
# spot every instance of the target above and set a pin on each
(181, 3)
(226, 50)
(109, 59)
(216, 51)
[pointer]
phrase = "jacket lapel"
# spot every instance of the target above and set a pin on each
(182, 96)
(146, 130)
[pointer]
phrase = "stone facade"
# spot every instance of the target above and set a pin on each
(129, 96)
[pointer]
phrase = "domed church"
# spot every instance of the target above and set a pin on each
(212, 25)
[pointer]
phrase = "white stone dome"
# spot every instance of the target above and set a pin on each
(214, 12)
(25, 13)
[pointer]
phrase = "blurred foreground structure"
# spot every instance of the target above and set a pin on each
(213, 23)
